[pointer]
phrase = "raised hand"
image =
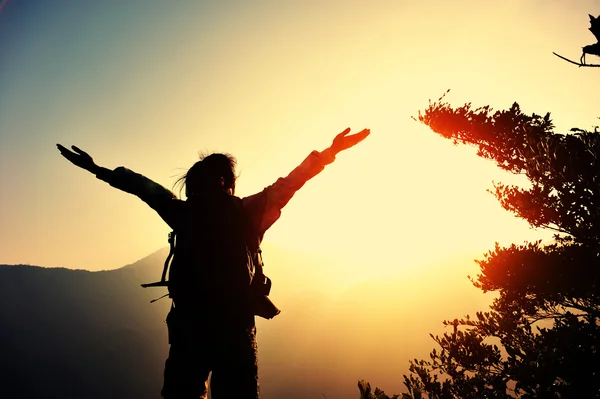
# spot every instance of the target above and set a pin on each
(79, 158)
(343, 141)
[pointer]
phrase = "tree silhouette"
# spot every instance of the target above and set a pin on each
(541, 336)
(592, 49)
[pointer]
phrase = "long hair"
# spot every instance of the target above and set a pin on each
(214, 171)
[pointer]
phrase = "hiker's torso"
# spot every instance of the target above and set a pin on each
(212, 268)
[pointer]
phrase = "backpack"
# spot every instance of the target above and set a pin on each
(215, 260)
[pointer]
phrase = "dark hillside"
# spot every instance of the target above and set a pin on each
(80, 334)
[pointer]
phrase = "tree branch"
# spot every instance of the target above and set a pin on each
(576, 63)
(587, 309)
(556, 229)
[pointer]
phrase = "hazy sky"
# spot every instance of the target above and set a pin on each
(148, 84)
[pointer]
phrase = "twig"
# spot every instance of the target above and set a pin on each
(576, 63)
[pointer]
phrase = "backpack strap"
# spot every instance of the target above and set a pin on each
(261, 285)
(172, 236)
(259, 274)
(163, 280)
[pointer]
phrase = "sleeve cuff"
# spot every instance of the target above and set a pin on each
(104, 174)
(326, 156)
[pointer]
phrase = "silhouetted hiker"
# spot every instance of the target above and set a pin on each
(211, 323)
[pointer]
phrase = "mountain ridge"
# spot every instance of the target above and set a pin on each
(81, 334)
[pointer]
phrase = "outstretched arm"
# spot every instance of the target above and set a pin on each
(265, 207)
(163, 201)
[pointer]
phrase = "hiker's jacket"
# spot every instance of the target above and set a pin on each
(264, 208)
(210, 228)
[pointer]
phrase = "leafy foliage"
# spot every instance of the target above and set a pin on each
(564, 169)
(366, 393)
(541, 335)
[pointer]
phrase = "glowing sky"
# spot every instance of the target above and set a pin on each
(391, 227)
(149, 84)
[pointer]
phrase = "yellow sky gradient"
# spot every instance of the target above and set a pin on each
(270, 84)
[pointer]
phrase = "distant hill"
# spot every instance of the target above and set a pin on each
(88, 335)
(80, 334)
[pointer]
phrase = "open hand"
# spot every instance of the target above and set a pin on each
(79, 158)
(343, 141)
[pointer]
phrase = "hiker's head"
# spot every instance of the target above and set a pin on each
(211, 172)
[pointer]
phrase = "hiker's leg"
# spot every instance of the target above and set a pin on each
(186, 374)
(236, 373)
(188, 364)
